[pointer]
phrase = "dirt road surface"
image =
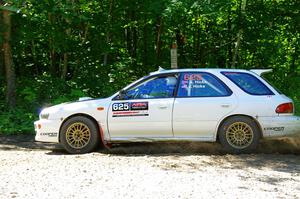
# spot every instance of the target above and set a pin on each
(176, 170)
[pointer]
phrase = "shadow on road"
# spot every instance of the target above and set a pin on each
(25, 142)
(289, 145)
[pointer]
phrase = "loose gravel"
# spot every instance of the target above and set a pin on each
(140, 171)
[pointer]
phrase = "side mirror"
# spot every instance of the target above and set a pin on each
(122, 94)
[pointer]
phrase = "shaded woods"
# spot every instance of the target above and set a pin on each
(57, 51)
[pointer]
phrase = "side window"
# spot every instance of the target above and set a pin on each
(158, 87)
(201, 85)
(248, 83)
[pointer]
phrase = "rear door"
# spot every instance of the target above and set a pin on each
(202, 101)
(145, 110)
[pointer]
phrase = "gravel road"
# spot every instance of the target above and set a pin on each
(34, 170)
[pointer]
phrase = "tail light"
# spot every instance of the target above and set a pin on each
(285, 108)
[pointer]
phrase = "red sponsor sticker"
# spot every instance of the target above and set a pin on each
(139, 104)
(125, 112)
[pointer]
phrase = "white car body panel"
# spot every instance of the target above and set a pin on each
(279, 126)
(193, 119)
(49, 130)
(158, 123)
(60, 113)
(198, 117)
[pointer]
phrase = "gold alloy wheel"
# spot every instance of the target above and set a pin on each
(239, 135)
(78, 135)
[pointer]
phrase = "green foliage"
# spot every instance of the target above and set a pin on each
(16, 121)
(291, 88)
(288, 84)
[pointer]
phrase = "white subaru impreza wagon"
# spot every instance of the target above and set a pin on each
(235, 107)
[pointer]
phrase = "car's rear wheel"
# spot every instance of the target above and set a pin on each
(239, 134)
(79, 135)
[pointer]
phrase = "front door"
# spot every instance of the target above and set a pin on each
(144, 110)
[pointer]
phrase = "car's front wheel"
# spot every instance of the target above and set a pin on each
(239, 134)
(79, 135)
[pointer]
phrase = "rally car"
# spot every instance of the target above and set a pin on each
(235, 107)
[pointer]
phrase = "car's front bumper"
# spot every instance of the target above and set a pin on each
(47, 130)
(280, 125)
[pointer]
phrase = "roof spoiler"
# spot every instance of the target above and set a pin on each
(260, 72)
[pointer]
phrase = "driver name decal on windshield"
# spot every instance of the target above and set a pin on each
(191, 81)
(192, 77)
(128, 109)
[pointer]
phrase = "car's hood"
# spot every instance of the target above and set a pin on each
(64, 109)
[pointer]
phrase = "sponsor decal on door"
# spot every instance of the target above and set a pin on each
(129, 109)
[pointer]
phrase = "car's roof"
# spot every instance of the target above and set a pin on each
(212, 70)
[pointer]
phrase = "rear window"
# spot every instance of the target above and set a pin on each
(248, 83)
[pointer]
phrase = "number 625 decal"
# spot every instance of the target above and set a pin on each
(124, 106)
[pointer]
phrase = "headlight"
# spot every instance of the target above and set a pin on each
(44, 116)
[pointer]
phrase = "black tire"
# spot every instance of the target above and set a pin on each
(77, 130)
(239, 130)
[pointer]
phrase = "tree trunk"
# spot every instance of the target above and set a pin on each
(236, 49)
(52, 60)
(158, 39)
(64, 70)
(229, 47)
(195, 65)
(293, 66)
(2, 70)
(180, 40)
(33, 51)
(8, 61)
(108, 36)
(131, 35)
(145, 44)
(134, 39)
(198, 56)
(52, 53)
(83, 36)
(64, 66)
(127, 37)
(239, 35)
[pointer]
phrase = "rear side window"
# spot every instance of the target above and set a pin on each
(201, 85)
(248, 83)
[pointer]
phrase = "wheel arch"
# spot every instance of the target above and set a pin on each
(83, 115)
(237, 115)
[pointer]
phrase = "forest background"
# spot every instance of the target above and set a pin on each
(54, 51)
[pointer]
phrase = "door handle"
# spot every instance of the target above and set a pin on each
(163, 107)
(225, 105)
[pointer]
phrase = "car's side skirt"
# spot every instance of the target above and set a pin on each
(158, 139)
